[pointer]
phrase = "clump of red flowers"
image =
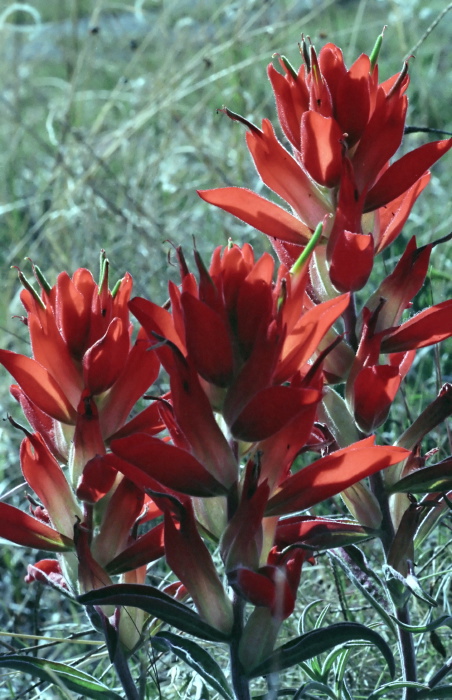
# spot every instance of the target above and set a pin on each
(251, 433)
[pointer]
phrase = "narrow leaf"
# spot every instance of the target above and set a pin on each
(155, 603)
(196, 657)
(381, 692)
(318, 641)
(443, 621)
(303, 692)
(436, 478)
(74, 680)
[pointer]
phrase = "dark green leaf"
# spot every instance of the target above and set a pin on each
(304, 691)
(196, 657)
(74, 680)
(155, 603)
(443, 621)
(318, 641)
(382, 691)
(434, 479)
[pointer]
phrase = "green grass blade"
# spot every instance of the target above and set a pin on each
(155, 603)
(198, 658)
(74, 680)
(318, 641)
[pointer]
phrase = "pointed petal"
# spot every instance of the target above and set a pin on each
(50, 430)
(22, 529)
(353, 89)
(292, 100)
(392, 216)
(282, 174)
(307, 334)
(105, 360)
(147, 548)
(139, 373)
(189, 558)
(196, 420)
(73, 299)
(322, 148)
(255, 375)
(46, 478)
(40, 387)
(270, 410)
(373, 392)
(332, 474)
(256, 211)
(147, 421)
(173, 467)
(319, 533)
(155, 319)
(358, 247)
(380, 140)
(401, 286)
(404, 173)
(114, 532)
(426, 328)
(50, 350)
(208, 341)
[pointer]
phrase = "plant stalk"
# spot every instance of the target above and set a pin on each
(407, 652)
(405, 638)
(239, 681)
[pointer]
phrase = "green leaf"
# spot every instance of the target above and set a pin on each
(365, 589)
(156, 603)
(381, 692)
(443, 621)
(303, 692)
(434, 479)
(74, 680)
(196, 657)
(318, 641)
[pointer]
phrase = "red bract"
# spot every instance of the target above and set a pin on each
(332, 474)
(371, 387)
(245, 336)
(80, 336)
(340, 162)
(274, 585)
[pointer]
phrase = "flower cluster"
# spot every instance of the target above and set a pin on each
(252, 433)
(340, 162)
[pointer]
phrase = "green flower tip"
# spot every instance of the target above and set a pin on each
(376, 50)
(307, 250)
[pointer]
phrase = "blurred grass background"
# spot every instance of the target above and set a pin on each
(109, 125)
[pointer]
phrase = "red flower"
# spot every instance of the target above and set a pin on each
(80, 336)
(332, 474)
(372, 387)
(274, 585)
(340, 162)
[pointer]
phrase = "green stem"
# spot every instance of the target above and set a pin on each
(239, 681)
